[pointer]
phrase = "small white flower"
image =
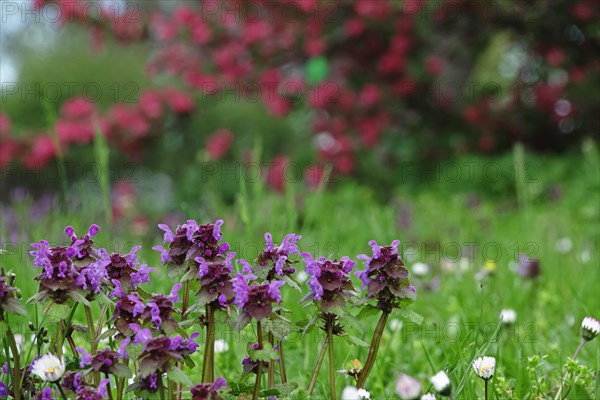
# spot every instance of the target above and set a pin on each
(221, 346)
(464, 264)
(508, 316)
(441, 383)
(408, 388)
(420, 269)
(564, 245)
(48, 367)
(590, 328)
(428, 396)
(352, 393)
(395, 325)
(301, 276)
(485, 367)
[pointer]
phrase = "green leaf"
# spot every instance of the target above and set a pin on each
(78, 298)
(107, 333)
(409, 315)
(317, 69)
(267, 353)
(189, 275)
(58, 312)
(368, 311)
(309, 325)
(353, 340)
(103, 300)
(122, 371)
(178, 376)
(280, 328)
(299, 394)
(291, 282)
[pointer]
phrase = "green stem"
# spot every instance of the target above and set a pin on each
(16, 363)
(486, 389)
(161, 388)
(60, 389)
(184, 308)
(256, 391)
(331, 361)
(92, 334)
(271, 372)
(282, 362)
(581, 344)
(108, 388)
(364, 373)
(560, 385)
(120, 388)
(317, 368)
(208, 367)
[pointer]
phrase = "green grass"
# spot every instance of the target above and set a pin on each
(460, 319)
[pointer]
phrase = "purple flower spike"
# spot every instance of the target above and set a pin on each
(70, 232)
(246, 267)
(174, 296)
(274, 291)
(255, 300)
(329, 282)
(385, 278)
(123, 348)
(268, 242)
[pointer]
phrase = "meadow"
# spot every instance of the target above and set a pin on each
(469, 235)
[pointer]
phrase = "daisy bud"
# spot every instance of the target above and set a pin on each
(590, 328)
(485, 367)
(420, 269)
(441, 383)
(48, 367)
(352, 393)
(508, 317)
(428, 396)
(408, 388)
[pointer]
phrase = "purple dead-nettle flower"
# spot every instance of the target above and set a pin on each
(273, 262)
(329, 282)
(8, 295)
(141, 336)
(105, 361)
(191, 240)
(84, 244)
(214, 275)
(255, 300)
(528, 267)
(126, 268)
(45, 394)
(89, 393)
(162, 353)
(72, 381)
(385, 278)
(69, 272)
(128, 310)
(208, 391)
(149, 383)
(159, 310)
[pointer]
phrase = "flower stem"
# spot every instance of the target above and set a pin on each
(282, 362)
(16, 362)
(486, 389)
(260, 363)
(92, 334)
(208, 368)
(60, 389)
(108, 388)
(331, 361)
(560, 385)
(317, 368)
(271, 371)
(120, 388)
(161, 387)
(364, 373)
(184, 308)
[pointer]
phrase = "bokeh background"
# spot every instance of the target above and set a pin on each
(467, 129)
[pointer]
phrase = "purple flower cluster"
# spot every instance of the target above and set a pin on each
(190, 241)
(273, 262)
(105, 361)
(255, 300)
(215, 280)
(8, 302)
(208, 391)
(329, 282)
(67, 271)
(385, 278)
(130, 310)
(126, 268)
(162, 353)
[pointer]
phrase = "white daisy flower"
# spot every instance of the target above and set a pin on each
(408, 388)
(420, 269)
(590, 328)
(508, 316)
(564, 245)
(485, 367)
(352, 393)
(441, 383)
(221, 346)
(48, 367)
(428, 396)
